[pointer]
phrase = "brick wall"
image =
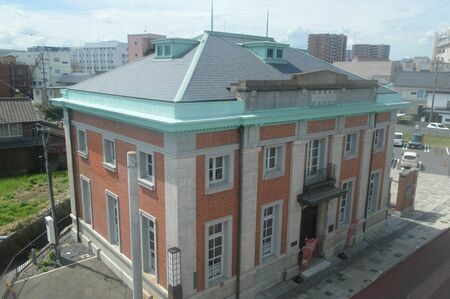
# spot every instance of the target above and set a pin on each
(278, 131)
(211, 207)
(356, 121)
(270, 191)
(213, 139)
(144, 135)
(152, 202)
(316, 126)
(385, 116)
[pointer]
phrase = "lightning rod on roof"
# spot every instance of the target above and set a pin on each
(212, 15)
(267, 24)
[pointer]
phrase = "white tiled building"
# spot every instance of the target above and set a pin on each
(99, 57)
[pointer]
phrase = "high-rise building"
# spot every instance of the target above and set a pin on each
(441, 46)
(140, 45)
(370, 52)
(328, 47)
(99, 57)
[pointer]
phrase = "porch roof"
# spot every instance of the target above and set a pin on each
(316, 196)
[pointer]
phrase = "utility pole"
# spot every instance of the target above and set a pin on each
(435, 64)
(44, 134)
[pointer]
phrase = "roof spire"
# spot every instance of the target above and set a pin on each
(267, 24)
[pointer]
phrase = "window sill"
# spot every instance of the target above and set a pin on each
(350, 156)
(271, 174)
(146, 184)
(218, 187)
(83, 155)
(216, 282)
(109, 166)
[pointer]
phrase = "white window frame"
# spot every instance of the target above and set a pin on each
(227, 229)
(144, 216)
(144, 179)
(10, 134)
(378, 141)
(374, 191)
(268, 157)
(226, 182)
(277, 214)
(109, 194)
(107, 164)
(278, 169)
(84, 200)
(351, 145)
(82, 152)
(345, 211)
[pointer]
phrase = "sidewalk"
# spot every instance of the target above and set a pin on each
(366, 261)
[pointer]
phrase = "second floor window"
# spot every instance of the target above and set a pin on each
(82, 143)
(109, 152)
(217, 168)
(146, 168)
(11, 130)
(378, 140)
(270, 158)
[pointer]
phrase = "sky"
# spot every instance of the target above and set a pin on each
(407, 25)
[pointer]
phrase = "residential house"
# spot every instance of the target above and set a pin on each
(20, 147)
(246, 147)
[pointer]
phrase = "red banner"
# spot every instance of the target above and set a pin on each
(308, 252)
(350, 233)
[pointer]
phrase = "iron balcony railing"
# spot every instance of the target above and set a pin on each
(320, 176)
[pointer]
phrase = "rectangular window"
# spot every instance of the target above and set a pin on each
(279, 53)
(159, 50)
(270, 53)
(113, 218)
(315, 156)
(82, 143)
(11, 130)
(346, 202)
(270, 158)
(148, 232)
(373, 191)
(86, 199)
(378, 140)
(217, 169)
(146, 169)
(267, 236)
(167, 50)
(350, 143)
(109, 153)
(215, 251)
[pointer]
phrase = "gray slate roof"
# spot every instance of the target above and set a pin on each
(17, 110)
(221, 62)
(422, 79)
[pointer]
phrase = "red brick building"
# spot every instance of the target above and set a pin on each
(245, 148)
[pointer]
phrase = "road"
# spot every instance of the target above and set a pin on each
(425, 274)
(433, 159)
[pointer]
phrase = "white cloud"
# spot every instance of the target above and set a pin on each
(405, 24)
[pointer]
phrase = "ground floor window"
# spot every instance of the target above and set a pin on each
(374, 185)
(270, 230)
(346, 202)
(86, 199)
(148, 232)
(113, 218)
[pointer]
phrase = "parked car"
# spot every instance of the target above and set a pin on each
(416, 141)
(438, 126)
(409, 160)
(398, 139)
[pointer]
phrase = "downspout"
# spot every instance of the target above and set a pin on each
(368, 176)
(241, 181)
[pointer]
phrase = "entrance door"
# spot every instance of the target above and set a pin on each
(309, 223)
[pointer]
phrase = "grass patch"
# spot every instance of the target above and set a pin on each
(24, 196)
(434, 141)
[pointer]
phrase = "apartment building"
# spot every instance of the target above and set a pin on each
(441, 46)
(94, 58)
(367, 52)
(46, 67)
(140, 45)
(240, 160)
(328, 47)
(14, 77)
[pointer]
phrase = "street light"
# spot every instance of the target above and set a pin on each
(174, 269)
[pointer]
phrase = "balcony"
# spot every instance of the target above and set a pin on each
(321, 177)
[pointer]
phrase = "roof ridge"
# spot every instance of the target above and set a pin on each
(190, 71)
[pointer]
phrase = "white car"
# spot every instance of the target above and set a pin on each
(409, 160)
(438, 126)
(398, 139)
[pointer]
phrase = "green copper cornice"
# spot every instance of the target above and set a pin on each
(209, 116)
